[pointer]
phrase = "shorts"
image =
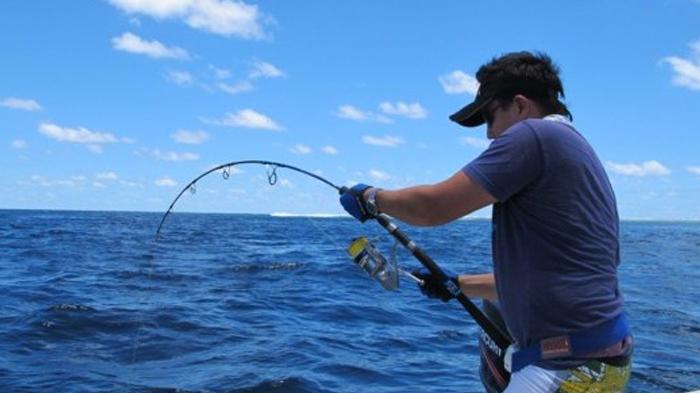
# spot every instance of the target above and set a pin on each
(592, 377)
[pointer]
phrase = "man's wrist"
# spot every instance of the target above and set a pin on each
(370, 198)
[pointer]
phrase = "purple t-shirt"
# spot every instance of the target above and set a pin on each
(554, 230)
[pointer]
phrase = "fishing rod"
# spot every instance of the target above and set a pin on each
(226, 168)
(499, 338)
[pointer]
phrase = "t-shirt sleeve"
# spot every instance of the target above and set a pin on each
(510, 163)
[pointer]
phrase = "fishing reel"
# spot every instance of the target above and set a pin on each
(367, 256)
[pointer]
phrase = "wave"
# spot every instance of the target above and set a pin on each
(72, 307)
(287, 384)
(268, 266)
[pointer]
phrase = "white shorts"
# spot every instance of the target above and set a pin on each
(594, 376)
(533, 379)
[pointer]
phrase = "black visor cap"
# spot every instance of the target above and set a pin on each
(470, 115)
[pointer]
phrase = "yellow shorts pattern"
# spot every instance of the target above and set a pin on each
(597, 377)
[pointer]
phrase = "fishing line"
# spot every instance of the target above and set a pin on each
(149, 276)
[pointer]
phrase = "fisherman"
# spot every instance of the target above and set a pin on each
(555, 231)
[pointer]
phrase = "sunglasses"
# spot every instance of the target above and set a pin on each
(488, 113)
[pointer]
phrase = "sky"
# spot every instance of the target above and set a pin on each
(118, 104)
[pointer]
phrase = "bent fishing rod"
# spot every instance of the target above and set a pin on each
(499, 338)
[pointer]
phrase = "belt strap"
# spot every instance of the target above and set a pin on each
(577, 344)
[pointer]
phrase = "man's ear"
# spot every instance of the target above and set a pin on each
(526, 107)
(523, 104)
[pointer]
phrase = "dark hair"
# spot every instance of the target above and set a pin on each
(533, 75)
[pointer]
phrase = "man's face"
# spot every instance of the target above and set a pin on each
(501, 115)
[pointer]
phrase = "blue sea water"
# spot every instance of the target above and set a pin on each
(253, 303)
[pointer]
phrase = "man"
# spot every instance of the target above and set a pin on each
(555, 230)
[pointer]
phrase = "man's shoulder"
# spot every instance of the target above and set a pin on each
(555, 132)
(548, 125)
(537, 127)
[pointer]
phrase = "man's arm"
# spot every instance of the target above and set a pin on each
(435, 204)
(478, 285)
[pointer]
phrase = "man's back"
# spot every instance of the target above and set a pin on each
(555, 230)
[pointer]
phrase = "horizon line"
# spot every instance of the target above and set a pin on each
(283, 214)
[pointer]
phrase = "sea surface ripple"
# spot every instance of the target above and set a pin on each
(253, 303)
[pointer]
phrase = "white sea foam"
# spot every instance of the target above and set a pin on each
(311, 215)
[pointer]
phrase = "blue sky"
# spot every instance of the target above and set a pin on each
(117, 104)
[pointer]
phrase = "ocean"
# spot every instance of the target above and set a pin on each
(256, 303)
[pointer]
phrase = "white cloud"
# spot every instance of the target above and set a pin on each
(165, 182)
(181, 78)
(329, 149)
(41, 180)
(352, 113)
(79, 135)
(647, 168)
(263, 69)
(92, 139)
(300, 149)
(235, 88)
(220, 73)
(190, 137)
(232, 170)
(97, 184)
(21, 104)
(248, 118)
(173, 156)
(106, 176)
(687, 71)
(387, 141)
(73, 181)
(223, 17)
(154, 8)
(379, 175)
(458, 82)
(475, 142)
(130, 183)
(694, 169)
(19, 144)
(226, 18)
(132, 43)
(411, 111)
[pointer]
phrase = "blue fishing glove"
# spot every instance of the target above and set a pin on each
(354, 203)
(432, 287)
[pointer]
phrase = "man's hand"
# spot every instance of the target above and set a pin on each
(432, 287)
(354, 202)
